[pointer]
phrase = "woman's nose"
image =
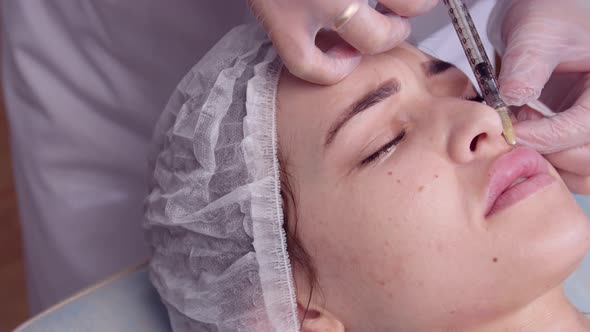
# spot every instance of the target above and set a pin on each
(475, 131)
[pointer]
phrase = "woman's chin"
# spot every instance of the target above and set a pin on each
(550, 234)
(567, 240)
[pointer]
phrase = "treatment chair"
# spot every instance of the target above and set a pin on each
(126, 302)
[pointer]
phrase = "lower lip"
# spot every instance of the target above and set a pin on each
(521, 191)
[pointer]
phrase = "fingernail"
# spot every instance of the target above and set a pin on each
(522, 115)
(431, 4)
(527, 113)
(407, 28)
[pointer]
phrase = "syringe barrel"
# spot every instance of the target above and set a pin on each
(475, 52)
(467, 33)
(488, 85)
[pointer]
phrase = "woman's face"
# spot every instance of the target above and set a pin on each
(395, 174)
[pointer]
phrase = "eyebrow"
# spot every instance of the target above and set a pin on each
(371, 98)
(385, 90)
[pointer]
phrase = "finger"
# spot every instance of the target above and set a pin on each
(526, 67)
(566, 130)
(577, 184)
(575, 160)
(371, 32)
(305, 60)
(409, 8)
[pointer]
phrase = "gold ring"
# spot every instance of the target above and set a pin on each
(346, 15)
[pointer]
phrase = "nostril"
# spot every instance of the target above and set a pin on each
(475, 140)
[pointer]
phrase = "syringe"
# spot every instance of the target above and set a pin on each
(480, 64)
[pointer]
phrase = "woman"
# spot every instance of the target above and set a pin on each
(396, 213)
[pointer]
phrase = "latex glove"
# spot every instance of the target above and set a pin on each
(542, 38)
(293, 25)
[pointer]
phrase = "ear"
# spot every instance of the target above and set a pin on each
(319, 320)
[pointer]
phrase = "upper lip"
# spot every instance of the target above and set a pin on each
(519, 162)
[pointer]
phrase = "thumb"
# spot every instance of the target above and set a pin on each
(304, 59)
(526, 66)
(563, 131)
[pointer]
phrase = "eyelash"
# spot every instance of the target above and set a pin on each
(385, 149)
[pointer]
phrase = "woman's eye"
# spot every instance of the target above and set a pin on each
(385, 149)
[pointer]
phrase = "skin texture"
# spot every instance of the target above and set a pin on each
(402, 243)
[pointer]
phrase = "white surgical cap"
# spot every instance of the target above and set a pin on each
(214, 216)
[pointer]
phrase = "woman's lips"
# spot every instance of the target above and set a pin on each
(523, 164)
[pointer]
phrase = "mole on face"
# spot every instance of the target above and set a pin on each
(389, 173)
(399, 181)
(495, 259)
(420, 188)
(436, 176)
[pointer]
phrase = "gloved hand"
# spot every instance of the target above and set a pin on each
(543, 38)
(293, 25)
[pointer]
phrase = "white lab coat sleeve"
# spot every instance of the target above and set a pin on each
(84, 83)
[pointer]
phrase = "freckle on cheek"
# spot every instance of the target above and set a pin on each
(399, 181)
(436, 176)
(420, 188)
(389, 173)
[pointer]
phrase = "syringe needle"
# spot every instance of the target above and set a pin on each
(507, 129)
